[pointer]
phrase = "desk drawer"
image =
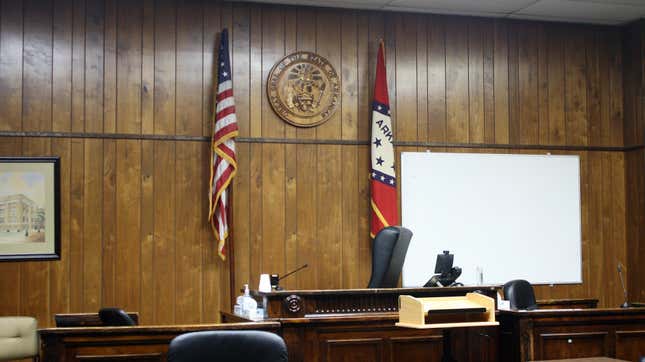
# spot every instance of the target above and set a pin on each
(571, 345)
(630, 345)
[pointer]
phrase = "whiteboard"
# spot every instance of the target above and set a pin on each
(513, 216)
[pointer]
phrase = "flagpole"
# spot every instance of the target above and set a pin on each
(230, 245)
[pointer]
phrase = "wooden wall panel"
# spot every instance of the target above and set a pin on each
(556, 87)
(59, 270)
(128, 224)
(634, 134)
(109, 223)
(147, 227)
(11, 71)
(291, 190)
(78, 69)
(134, 228)
(501, 74)
(92, 230)
(457, 101)
(110, 64)
(165, 226)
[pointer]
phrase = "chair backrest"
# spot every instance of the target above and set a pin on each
(388, 254)
(115, 317)
(18, 338)
(520, 294)
(228, 346)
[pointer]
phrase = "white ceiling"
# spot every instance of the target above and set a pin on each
(612, 12)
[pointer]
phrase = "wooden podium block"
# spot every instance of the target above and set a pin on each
(471, 310)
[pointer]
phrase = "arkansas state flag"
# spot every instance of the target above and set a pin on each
(383, 179)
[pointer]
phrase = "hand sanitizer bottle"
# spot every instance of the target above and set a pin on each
(249, 305)
(239, 303)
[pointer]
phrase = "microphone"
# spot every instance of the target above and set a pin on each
(293, 271)
(622, 282)
(275, 278)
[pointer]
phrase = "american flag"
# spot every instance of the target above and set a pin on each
(382, 178)
(223, 163)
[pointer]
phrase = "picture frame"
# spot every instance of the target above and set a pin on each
(29, 208)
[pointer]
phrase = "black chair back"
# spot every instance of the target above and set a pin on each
(388, 254)
(520, 294)
(115, 317)
(228, 346)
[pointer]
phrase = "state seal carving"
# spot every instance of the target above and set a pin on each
(303, 89)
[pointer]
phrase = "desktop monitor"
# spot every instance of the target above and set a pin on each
(444, 262)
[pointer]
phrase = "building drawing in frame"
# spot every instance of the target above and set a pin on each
(21, 219)
(29, 204)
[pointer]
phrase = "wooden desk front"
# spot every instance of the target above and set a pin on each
(590, 359)
(139, 343)
(572, 333)
(358, 325)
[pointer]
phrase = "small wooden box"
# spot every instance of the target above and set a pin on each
(471, 310)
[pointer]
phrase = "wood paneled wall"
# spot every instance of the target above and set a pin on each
(634, 71)
(134, 210)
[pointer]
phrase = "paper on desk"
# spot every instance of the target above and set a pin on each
(503, 304)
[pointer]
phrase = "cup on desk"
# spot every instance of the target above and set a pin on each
(479, 277)
(265, 283)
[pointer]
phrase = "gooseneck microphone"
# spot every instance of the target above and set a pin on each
(275, 278)
(293, 271)
(622, 282)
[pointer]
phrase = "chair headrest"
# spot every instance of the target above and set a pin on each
(115, 317)
(225, 346)
(520, 294)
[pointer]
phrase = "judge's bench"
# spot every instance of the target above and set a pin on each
(359, 325)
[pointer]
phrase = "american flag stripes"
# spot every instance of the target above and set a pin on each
(223, 163)
(382, 178)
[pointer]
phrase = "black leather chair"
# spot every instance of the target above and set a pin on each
(520, 294)
(115, 317)
(228, 346)
(388, 254)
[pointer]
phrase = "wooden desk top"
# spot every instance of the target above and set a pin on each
(539, 313)
(567, 303)
(148, 330)
(590, 359)
(371, 291)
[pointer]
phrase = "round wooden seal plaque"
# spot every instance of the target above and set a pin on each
(293, 303)
(304, 89)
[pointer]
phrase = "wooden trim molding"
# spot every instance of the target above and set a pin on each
(337, 142)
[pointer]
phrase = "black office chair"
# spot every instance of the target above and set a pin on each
(388, 254)
(520, 294)
(228, 346)
(115, 317)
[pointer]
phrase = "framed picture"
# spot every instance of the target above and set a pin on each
(29, 208)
